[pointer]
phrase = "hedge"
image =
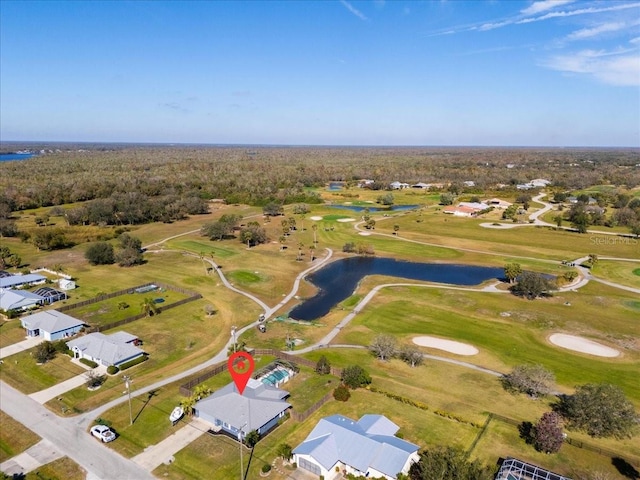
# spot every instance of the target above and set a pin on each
(88, 362)
(133, 362)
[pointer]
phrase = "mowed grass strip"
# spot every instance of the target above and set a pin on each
(63, 468)
(23, 373)
(624, 273)
(474, 318)
(11, 332)
(15, 438)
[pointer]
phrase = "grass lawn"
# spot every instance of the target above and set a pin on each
(474, 318)
(624, 273)
(23, 373)
(15, 438)
(109, 310)
(62, 469)
(570, 461)
(11, 332)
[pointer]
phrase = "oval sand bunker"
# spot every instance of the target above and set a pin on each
(582, 345)
(315, 218)
(446, 345)
(346, 220)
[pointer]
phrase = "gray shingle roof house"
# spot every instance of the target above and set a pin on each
(114, 349)
(367, 447)
(19, 300)
(258, 408)
(51, 325)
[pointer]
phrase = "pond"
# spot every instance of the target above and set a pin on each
(360, 208)
(339, 279)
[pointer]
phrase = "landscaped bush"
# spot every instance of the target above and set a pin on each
(88, 362)
(112, 369)
(133, 362)
(266, 468)
(44, 352)
(341, 393)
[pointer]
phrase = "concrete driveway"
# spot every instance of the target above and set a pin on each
(30, 342)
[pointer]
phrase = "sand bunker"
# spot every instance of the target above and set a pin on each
(346, 220)
(579, 344)
(316, 218)
(446, 345)
(364, 234)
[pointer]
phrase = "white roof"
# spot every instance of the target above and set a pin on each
(16, 299)
(258, 404)
(17, 280)
(51, 321)
(107, 348)
(367, 443)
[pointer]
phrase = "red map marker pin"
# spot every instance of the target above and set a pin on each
(240, 370)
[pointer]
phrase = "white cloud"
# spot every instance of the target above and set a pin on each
(579, 11)
(595, 31)
(543, 6)
(619, 68)
(354, 10)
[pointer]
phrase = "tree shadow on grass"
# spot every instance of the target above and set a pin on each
(625, 468)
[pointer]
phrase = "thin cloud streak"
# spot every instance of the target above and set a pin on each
(595, 31)
(354, 10)
(543, 6)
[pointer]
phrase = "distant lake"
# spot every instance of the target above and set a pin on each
(5, 157)
(338, 280)
(360, 208)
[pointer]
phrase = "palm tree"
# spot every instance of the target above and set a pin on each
(315, 233)
(188, 404)
(149, 307)
(300, 247)
(282, 241)
(396, 227)
(311, 251)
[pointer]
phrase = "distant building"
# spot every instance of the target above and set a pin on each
(19, 300)
(398, 185)
(51, 325)
(469, 183)
(21, 281)
(498, 203)
(367, 448)
(65, 284)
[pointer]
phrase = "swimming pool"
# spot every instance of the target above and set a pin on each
(276, 377)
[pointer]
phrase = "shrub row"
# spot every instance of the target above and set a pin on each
(133, 362)
(424, 406)
(88, 363)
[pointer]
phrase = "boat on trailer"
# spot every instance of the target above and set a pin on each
(176, 415)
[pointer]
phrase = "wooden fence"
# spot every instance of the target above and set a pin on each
(299, 417)
(187, 388)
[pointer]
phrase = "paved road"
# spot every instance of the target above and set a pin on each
(99, 462)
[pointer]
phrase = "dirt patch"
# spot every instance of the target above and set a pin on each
(583, 345)
(447, 345)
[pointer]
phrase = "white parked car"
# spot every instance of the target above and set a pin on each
(103, 433)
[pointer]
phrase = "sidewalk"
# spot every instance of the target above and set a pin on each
(43, 396)
(20, 346)
(40, 454)
(155, 455)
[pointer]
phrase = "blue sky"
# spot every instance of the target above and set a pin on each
(446, 72)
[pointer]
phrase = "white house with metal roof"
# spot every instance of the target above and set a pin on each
(107, 350)
(19, 300)
(367, 447)
(51, 325)
(259, 408)
(19, 281)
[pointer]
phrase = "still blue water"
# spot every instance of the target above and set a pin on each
(392, 208)
(339, 279)
(14, 156)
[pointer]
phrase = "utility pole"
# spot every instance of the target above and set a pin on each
(240, 438)
(127, 383)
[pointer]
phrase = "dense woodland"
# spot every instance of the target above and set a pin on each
(127, 185)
